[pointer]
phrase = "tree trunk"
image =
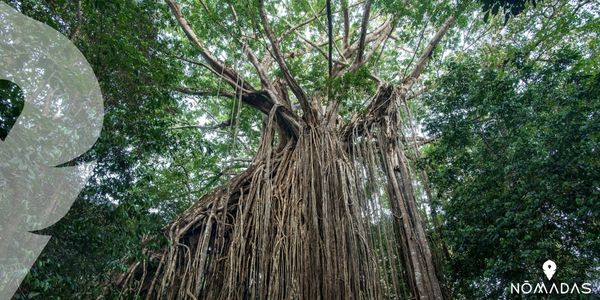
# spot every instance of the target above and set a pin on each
(329, 214)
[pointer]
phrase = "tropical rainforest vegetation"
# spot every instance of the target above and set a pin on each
(326, 149)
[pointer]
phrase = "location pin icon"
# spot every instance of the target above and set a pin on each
(549, 268)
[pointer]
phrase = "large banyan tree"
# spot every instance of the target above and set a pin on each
(331, 205)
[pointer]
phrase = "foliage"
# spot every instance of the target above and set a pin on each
(146, 172)
(516, 168)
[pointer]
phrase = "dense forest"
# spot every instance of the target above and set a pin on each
(328, 149)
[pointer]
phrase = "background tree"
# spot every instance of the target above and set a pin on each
(515, 167)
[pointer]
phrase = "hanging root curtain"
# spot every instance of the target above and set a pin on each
(329, 214)
(327, 209)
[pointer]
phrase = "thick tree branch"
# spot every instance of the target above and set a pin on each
(261, 100)
(376, 110)
(380, 39)
(279, 58)
(426, 55)
(262, 72)
(346, 17)
(363, 32)
(217, 66)
(388, 94)
(231, 81)
(377, 34)
(285, 117)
